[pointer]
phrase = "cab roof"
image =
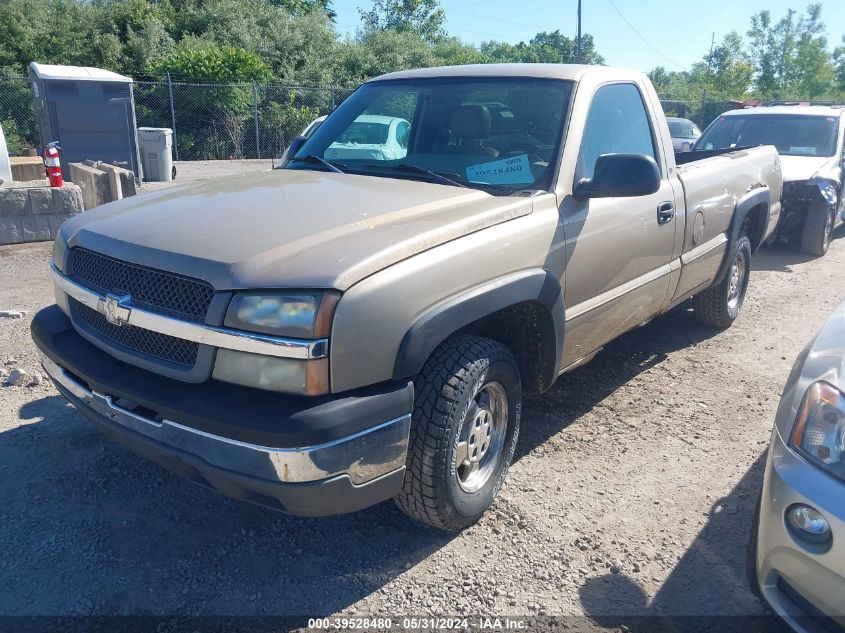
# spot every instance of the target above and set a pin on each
(817, 110)
(571, 72)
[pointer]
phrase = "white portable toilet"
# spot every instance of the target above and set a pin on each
(156, 147)
(89, 111)
(5, 165)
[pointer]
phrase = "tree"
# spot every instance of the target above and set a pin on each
(790, 57)
(545, 47)
(659, 78)
(424, 17)
(726, 73)
(839, 66)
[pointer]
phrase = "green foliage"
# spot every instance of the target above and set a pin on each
(14, 140)
(787, 58)
(839, 66)
(546, 47)
(790, 56)
(224, 64)
(422, 17)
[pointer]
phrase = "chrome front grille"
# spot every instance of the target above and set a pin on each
(155, 290)
(159, 346)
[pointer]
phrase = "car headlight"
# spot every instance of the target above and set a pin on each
(300, 315)
(306, 315)
(288, 375)
(819, 431)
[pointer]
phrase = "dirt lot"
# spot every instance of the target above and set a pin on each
(632, 492)
(189, 171)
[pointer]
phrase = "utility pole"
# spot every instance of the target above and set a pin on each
(710, 56)
(578, 50)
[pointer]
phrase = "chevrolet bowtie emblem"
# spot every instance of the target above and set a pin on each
(113, 307)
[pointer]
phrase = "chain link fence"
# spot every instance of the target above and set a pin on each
(210, 121)
(17, 113)
(225, 121)
(246, 120)
(702, 111)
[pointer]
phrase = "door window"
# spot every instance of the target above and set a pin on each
(617, 124)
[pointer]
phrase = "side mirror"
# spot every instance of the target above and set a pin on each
(295, 145)
(620, 176)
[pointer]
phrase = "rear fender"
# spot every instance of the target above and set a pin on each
(753, 199)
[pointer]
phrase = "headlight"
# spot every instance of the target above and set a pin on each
(288, 375)
(301, 315)
(305, 315)
(819, 431)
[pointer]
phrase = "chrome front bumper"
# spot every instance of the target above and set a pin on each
(355, 461)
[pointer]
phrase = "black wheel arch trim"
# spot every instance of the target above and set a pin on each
(753, 199)
(459, 311)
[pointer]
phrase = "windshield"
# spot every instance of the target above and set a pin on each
(499, 135)
(792, 134)
(682, 129)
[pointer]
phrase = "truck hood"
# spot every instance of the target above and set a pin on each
(287, 228)
(798, 168)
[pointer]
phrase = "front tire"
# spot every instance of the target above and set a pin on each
(719, 305)
(463, 434)
(817, 229)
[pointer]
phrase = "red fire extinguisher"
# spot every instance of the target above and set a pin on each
(54, 167)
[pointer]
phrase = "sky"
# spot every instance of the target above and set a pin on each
(637, 34)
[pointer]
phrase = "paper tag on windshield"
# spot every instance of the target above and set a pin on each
(508, 171)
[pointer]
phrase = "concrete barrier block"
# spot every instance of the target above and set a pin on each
(93, 182)
(27, 167)
(13, 201)
(127, 179)
(71, 199)
(35, 228)
(56, 220)
(41, 200)
(10, 231)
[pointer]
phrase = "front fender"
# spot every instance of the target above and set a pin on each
(455, 313)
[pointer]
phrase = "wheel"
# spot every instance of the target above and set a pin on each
(816, 231)
(463, 433)
(751, 552)
(719, 305)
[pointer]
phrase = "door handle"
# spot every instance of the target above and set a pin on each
(665, 212)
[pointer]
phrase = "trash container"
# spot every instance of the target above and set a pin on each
(156, 145)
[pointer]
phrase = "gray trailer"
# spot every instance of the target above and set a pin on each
(89, 111)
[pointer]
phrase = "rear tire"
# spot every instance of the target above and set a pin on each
(463, 434)
(817, 229)
(720, 304)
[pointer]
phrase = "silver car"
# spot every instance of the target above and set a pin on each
(797, 552)
(684, 133)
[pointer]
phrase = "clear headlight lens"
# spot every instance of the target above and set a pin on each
(305, 315)
(289, 375)
(297, 314)
(819, 431)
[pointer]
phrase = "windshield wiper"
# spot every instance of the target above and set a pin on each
(419, 170)
(313, 158)
(432, 174)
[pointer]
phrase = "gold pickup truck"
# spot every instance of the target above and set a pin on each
(361, 325)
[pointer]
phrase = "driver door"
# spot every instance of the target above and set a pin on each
(617, 249)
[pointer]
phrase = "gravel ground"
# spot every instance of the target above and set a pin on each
(632, 491)
(189, 171)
